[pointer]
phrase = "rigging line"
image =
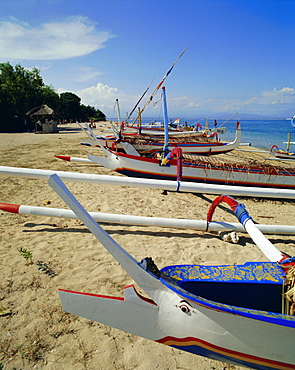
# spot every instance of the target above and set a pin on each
(136, 105)
(228, 119)
(156, 102)
(160, 84)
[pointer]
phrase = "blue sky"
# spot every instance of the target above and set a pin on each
(240, 55)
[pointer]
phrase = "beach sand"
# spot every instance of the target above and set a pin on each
(38, 333)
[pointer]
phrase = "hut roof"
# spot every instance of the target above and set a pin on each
(41, 110)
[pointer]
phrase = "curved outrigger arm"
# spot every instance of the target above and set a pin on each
(175, 153)
(238, 136)
(267, 248)
(148, 281)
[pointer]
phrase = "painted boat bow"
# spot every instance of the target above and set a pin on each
(189, 322)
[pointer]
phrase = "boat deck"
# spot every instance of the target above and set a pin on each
(254, 285)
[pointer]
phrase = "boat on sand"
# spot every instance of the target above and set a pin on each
(212, 170)
(238, 314)
(281, 154)
(190, 142)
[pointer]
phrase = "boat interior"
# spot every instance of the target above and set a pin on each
(254, 285)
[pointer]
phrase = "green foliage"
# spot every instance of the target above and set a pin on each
(26, 254)
(70, 106)
(91, 112)
(50, 97)
(72, 109)
(22, 89)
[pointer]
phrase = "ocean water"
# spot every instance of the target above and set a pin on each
(259, 133)
(262, 134)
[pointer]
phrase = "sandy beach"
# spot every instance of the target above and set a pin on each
(35, 332)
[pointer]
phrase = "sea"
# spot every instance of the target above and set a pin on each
(262, 134)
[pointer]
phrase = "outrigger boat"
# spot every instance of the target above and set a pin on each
(205, 144)
(189, 168)
(195, 169)
(283, 154)
(189, 142)
(174, 164)
(239, 314)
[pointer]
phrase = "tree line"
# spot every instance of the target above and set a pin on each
(22, 89)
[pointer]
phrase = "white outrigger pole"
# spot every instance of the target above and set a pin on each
(169, 185)
(122, 219)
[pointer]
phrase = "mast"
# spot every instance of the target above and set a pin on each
(289, 142)
(139, 122)
(139, 100)
(160, 84)
(166, 135)
(119, 115)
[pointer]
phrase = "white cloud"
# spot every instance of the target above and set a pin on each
(264, 103)
(272, 102)
(102, 97)
(267, 102)
(73, 37)
(86, 73)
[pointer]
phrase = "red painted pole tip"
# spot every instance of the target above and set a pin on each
(65, 158)
(12, 208)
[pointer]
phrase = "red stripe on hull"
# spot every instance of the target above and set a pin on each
(248, 359)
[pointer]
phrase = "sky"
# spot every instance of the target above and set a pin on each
(240, 54)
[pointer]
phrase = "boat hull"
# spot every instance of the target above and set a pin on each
(205, 149)
(194, 147)
(219, 335)
(200, 172)
(284, 155)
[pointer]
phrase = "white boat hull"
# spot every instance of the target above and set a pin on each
(200, 172)
(200, 148)
(222, 336)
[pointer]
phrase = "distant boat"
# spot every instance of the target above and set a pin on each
(293, 121)
(199, 144)
(283, 154)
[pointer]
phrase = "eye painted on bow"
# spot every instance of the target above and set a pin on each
(185, 306)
